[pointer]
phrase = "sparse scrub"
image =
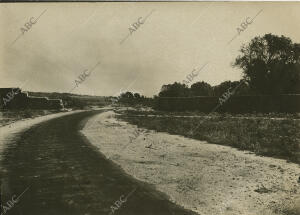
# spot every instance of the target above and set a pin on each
(270, 137)
(7, 117)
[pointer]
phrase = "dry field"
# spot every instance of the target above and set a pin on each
(275, 135)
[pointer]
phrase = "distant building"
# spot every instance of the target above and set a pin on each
(14, 98)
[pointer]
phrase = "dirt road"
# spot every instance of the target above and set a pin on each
(62, 173)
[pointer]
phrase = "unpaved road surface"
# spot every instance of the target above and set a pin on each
(62, 173)
(206, 178)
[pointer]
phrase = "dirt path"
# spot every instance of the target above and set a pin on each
(8, 132)
(62, 173)
(207, 178)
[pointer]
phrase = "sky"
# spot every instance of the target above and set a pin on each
(68, 39)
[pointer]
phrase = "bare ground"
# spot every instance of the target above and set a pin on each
(206, 178)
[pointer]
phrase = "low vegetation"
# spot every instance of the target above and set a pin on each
(8, 117)
(279, 137)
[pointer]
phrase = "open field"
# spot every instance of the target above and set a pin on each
(276, 135)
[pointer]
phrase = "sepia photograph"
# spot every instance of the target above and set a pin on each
(150, 108)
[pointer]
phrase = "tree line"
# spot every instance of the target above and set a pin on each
(270, 66)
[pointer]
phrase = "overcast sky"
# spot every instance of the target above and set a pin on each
(69, 38)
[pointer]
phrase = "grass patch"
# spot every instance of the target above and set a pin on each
(264, 136)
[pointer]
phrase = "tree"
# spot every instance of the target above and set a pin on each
(201, 89)
(239, 88)
(220, 89)
(127, 95)
(136, 95)
(174, 90)
(271, 65)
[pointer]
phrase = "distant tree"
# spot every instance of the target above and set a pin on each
(131, 98)
(127, 95)
(220, 89)
(136, 95)
(271, 64)
(174, 90)
(201, 89)
(239, 87)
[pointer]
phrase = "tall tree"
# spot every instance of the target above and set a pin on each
(271, 64)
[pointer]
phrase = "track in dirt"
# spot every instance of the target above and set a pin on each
(67, 175)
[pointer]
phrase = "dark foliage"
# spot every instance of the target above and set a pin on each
(131, 98)
(271, 65)
(201, 89)
(235, 104)
(174, 90)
